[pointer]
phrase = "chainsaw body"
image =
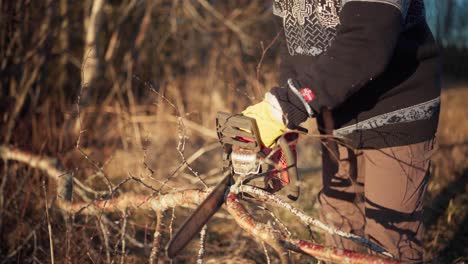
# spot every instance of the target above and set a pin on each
(243, 153)
(242, 157)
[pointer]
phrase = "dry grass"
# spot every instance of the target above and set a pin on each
(446, 212)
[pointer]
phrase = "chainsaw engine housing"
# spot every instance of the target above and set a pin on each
(240, 139)
(244, 161)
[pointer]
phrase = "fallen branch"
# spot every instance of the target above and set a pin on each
(254, 228)
(308, 220)
(186, 198)
(46, 164)
(334, 255)
(43, 163)
(280, 243)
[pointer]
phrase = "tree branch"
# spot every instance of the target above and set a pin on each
(308, 220)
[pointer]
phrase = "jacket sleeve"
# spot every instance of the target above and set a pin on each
(286, 68)
(361, 51)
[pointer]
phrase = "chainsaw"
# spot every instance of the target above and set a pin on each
(244, 162)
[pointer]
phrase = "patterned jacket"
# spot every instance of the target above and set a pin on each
(373, 62)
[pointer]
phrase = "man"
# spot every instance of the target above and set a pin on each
(367, 70)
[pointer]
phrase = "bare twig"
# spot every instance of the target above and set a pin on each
(122, 238)
(49, 226)
(105, 236)
(32, 234)
(265, 251)
(259, 65)
(114, 40)
(171, 222)
(182, 137)
(26, 83)
(245, 39)
(95, 165)
(42, 163)
(197, 155)
(284, 228)
(144, 24)
(92, 55)
(206, 132)
(201, 251)
(157, 237)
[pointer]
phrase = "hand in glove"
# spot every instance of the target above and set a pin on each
(269, 116)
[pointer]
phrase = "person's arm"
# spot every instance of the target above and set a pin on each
(286, 68)
(360, 52)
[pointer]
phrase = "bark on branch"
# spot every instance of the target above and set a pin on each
(334, 255)
(254, 228)
(160, 203)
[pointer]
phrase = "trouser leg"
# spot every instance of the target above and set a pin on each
(395, 184)
(341, 197)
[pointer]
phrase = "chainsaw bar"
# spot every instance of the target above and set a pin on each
(199, 217)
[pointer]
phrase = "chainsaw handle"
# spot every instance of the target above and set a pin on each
(293, 188)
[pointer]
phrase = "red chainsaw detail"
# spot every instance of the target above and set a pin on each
(280, 177)
(245, 139)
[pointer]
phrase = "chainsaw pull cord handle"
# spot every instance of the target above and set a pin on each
(293, 187)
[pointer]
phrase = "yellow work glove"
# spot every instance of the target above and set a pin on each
(269, 126)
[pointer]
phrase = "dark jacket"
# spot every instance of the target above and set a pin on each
(373, 62)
